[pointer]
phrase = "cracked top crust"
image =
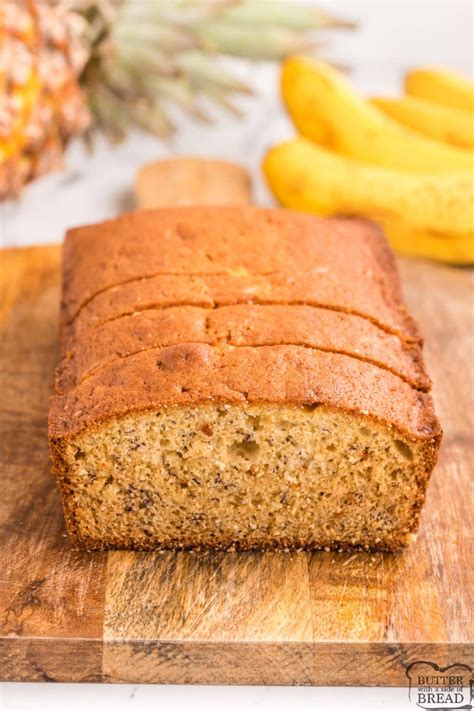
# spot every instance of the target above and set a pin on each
(280, 247)
(178, 307)
(238, 325)
(190, 373)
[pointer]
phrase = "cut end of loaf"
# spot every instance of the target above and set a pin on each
(243, 476)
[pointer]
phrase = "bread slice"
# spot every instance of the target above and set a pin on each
(238, 377)
(239, 325)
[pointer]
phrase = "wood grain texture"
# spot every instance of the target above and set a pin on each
(51, 597)
(249, 618)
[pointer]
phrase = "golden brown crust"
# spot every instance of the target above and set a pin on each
(111, 363)
(241, 325)
(292, 256)
(190, 374)
(164, 291)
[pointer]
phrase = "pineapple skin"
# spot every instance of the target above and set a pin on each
(41, 103)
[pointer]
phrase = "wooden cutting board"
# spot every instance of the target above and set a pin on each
(207, 618)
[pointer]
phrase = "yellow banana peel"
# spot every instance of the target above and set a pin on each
(439, 246)
(442, 123)
(424, 215)
(326, 109)
(441, 87)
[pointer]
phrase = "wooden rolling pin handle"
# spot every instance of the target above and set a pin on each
(192, 181)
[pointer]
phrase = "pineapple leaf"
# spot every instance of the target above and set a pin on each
(145, 54)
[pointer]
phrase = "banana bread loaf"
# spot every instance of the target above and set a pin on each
(238, 377)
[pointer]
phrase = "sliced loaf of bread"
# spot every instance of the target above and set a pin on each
(238, 377)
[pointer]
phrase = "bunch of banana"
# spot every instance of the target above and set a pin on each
(443, 123)
(407, 164)
(441, 87)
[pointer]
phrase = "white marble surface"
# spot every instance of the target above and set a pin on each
(393, 37)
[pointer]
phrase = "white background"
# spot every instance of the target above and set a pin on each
(393, 37)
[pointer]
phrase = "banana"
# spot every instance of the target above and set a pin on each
(424, 215)
(441, 87)
(327, 110)
(432, 244)
(442, 123)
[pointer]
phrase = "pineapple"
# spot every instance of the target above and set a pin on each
(41, 102)
(71, 67)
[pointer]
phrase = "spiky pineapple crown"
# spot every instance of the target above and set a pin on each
(144, 53)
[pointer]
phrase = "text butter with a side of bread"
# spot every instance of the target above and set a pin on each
(238, 377)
